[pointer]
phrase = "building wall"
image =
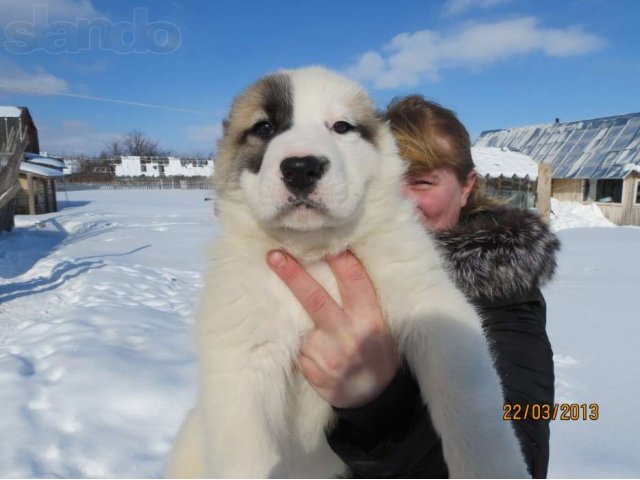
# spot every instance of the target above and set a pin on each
(130, 167)
(24, 124)
(6, 215)
(632, 217)
(72, 166)
(188, 169)
(631, 209)
(619, 215)
(567, 190)
(625, 213)
(45, 196)
(133, 167)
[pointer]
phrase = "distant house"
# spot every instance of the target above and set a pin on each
(595, 160)
(18, 133)
(72, 164)
(37, 179)
(133, 166)
(505, 174)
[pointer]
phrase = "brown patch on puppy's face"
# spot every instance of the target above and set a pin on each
(368, 119)
(257, 116)
(299, 149)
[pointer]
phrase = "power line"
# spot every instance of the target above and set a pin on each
(101, 99)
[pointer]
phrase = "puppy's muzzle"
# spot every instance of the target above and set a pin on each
(301, 174)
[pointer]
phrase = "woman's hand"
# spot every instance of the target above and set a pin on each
(350, 357)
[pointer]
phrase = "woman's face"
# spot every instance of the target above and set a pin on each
(439, 196)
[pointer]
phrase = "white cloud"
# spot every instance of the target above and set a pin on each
(72, 137)
(457, 7)
(84, 66)
(23, 10)
(205, 134)
(410, 58)
(37, 81)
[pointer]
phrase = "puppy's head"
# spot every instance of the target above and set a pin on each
(300, 147)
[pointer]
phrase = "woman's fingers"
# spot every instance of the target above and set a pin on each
(350, 355)
(356, 289)
(333, 354)
(315, 375)
(323, 310)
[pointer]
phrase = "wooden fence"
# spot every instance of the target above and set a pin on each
(167, 183)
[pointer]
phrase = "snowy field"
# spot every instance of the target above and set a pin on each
(96, 363)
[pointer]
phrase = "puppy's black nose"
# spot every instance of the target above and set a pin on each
(300, 174)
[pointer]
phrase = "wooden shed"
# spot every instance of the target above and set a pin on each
(17, 134)
(592, 161)
(37, 179)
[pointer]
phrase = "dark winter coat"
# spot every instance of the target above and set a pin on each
(499, 259)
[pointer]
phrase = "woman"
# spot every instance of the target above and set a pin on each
(498, 257)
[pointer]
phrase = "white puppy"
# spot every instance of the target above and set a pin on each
(306, 165)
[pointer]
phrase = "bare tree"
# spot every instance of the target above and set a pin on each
(113, 148)
(133, 143)
(138, 144)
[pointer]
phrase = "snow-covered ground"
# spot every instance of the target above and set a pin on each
(96, 302)
(96, 361)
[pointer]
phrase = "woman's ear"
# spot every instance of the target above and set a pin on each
(468, 186)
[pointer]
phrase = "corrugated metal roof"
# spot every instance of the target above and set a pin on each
(598, 148)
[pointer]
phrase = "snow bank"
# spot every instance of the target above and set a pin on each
(576, 215)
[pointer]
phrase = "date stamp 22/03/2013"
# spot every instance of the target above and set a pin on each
(546, 411)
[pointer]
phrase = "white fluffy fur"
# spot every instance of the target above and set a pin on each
(255, 415)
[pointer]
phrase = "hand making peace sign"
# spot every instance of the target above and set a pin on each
(350, 357)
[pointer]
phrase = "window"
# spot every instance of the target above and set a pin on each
(143, 168)
(609, 191)
(638, 191)
(603, 191)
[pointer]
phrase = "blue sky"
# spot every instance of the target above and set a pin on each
(498, 63)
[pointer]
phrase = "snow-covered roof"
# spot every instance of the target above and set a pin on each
(10, 112)
(46, 161)
(632, 167)
(26, 167)
(596, 148)
(494, 162)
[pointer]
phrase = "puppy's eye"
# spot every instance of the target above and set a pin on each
(342, 127)
(263, 129)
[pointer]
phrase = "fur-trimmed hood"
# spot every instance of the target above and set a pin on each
(499, 253)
